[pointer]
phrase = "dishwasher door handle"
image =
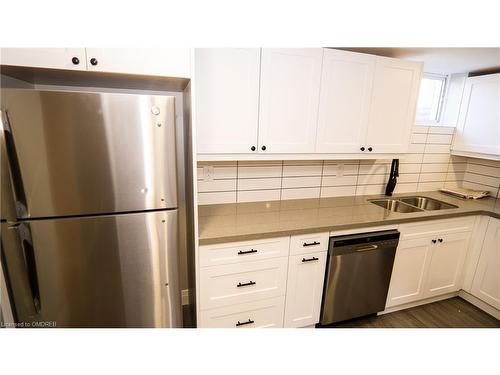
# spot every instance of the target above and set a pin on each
(366, 248)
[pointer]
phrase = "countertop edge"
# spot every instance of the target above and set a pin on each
(330, 228)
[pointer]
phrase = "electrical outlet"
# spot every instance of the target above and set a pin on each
(208, 173)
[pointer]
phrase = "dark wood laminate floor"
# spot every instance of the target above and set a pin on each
(450, 313)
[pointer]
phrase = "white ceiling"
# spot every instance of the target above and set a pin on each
(443, 60)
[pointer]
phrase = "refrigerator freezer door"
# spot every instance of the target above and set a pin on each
(89, 153)
(100, 271)
(7, 207)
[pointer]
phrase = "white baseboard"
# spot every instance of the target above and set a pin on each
(480, 304)
(186, 297)
(418, 303)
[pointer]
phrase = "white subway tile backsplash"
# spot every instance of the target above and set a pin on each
(259, 172)
(217, 197)
(301, 182)
(338, 191)
(258, 195)
(437, 149)
(418, 138)
(441, 167)
(302, 170)
(302, 193)
(339, 181)
(216, 185)
(441, 130)
(259, 183)
(427, 166)
(439, 139)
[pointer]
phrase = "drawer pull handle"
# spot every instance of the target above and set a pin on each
(305, 244)
(304, 260)
(246, 284)
(250, 321)
(246, 252)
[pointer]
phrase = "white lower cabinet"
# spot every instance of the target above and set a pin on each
(306, 274)
(427, 265)
(408, 272)
(245, 284)
(265, 313)
(445, 264)
(486, 282)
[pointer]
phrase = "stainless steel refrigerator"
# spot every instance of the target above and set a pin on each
(89, 238)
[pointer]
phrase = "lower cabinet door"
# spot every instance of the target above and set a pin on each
(446, 264)
(408, 272)
(486, 283)
(306, 274)
(259, 314)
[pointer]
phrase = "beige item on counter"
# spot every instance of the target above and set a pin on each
(465, 193)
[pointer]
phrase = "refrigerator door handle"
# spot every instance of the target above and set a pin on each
(28, 255)
(15, 172)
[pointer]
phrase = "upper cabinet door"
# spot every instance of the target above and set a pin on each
(51, 58)
(394, 99)
(166, 62)
(478, 127)
(346, 87)
(289, 95)
(227, 99)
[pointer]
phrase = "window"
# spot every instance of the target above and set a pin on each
(430, 99)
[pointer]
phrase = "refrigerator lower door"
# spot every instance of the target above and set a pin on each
(100, 271)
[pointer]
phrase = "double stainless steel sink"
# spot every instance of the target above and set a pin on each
(412, 204)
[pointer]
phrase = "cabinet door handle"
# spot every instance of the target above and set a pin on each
(93, 61)
(252, 148)
(304, 260)
(241, 252)
(246, 284)
(75, 60)
(305, 244)
(434, 241)
(263, 148)
(440, 240)
(249, 321)
(370, 149)
(362, 149)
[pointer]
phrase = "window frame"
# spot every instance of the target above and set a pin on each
(441, 103)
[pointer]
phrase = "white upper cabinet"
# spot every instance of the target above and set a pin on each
(486, 283)
(166, 62)
(393, 103)
(346, 88)
(478, 129)
(227, 99)
(289, 95)
(51, 58)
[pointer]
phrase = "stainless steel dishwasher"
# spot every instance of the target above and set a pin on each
(358, 273)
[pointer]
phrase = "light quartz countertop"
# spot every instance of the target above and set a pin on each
(220, 223)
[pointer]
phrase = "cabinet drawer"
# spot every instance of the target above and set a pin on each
(433, 227)
(245, 251)
(309, 243)
(242, 282)
(260, 314)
